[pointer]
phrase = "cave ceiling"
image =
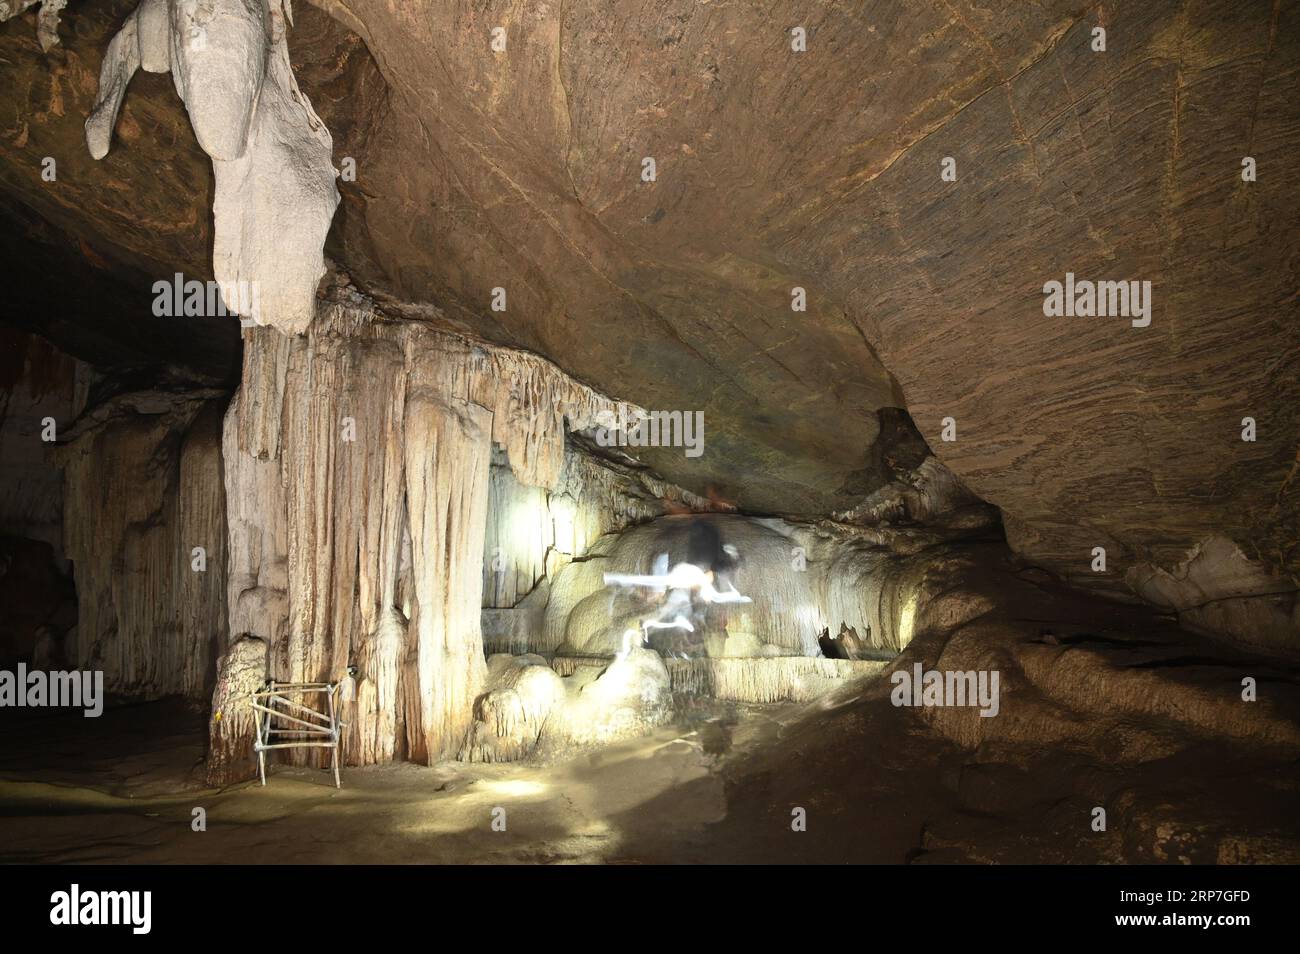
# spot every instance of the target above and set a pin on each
(775, 169)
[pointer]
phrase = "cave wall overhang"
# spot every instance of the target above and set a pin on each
(530, 196)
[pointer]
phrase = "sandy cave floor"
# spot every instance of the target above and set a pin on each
(719, 786)
(132, 795)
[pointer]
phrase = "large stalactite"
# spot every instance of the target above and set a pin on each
(274, 182)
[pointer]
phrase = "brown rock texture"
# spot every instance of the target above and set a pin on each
(1099, 706)
(776, 169)
(145, 529)
(822, 169)
(39, 383)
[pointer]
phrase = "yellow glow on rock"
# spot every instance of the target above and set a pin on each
(907, 622)
(513, 787)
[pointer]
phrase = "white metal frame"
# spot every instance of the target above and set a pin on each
(315, 729)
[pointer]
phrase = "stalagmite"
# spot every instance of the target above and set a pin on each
(241, 671)
(626, 697)
(521, 692)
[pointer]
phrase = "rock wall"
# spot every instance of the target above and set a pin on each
(39, 386)
(1218, 590)
(923, 291)
(47, 18)
(144, 527)
(802, 580)
(1117, 164)
(37, 381)
(532, 532)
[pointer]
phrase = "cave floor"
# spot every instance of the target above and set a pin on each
(877, 784)
(133, 795)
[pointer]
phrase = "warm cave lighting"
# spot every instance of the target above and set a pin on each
(983, 318)
(683, 576)
(514, 788)
(907, 621)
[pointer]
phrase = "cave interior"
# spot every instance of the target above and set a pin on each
(673, 428)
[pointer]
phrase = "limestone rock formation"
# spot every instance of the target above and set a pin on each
(911, 464)
(1099, 705)
(769, 679)
(626, 697)
(1123, 164)
(533, 532)
(1219, 590)
(145, 529)
(357, 462)
(241, 671)
(271, 154)
(803, 578)
(521, 694)
(47, 18)
(851, 643)
(45, 390)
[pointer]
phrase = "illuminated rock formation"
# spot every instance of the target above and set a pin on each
(241, 671)
(866, 226)
(838, 263)
(774, 679)
(801, 579)
(535, 191)
(521, 693)
(357, 461)
(533, 532)
(626, 697)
